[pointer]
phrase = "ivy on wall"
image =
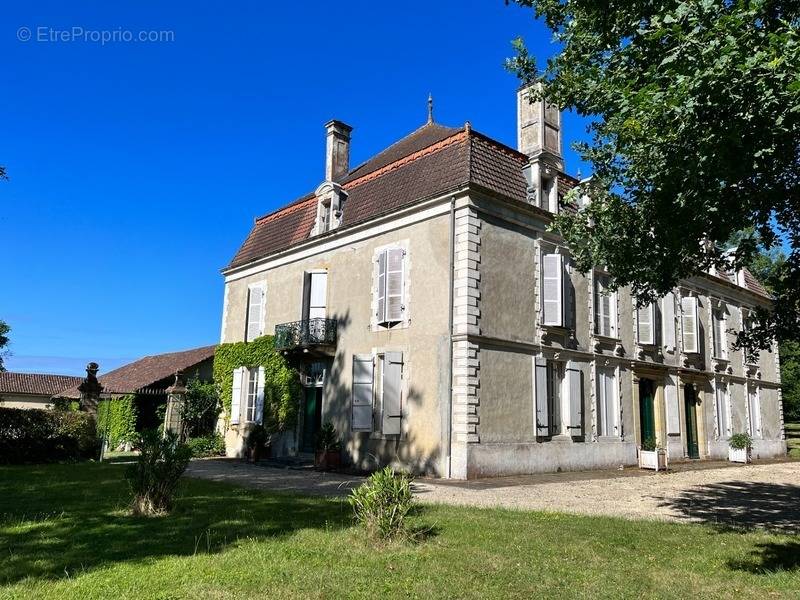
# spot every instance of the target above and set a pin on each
(116, 419)
(281, 384)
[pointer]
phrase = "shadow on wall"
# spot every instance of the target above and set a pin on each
(368, 451)
(738, 505)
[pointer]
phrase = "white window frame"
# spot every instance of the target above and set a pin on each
(754, 422)
(261, 288)
(694, 316)
(722, 400)
(556, 394)
(651, 310)
(377, 323)
(603, 280)
(719, 326)
(250, 393)
(607, 406)
(559, 286)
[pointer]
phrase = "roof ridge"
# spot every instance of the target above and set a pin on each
(457, 136)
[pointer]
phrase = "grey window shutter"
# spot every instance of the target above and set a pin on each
(540, 390)
(395, 262)
(569, 299)
(603, 306)
(689, 323)
(363, 375)
(552, 290)
(668, 320)
(645, 324)
(381, 287)
(236, 396)
(392, 379)
(611, 398)
(672, 407)
(259, 413)
(575, 398)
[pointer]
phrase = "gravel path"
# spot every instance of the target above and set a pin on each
(752, 495)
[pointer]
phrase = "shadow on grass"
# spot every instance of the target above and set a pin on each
(769, 558)
(62, 519)
(741, 505)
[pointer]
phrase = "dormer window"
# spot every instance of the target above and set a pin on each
(330, 201)
(325, 216)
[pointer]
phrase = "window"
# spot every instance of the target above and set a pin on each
(381, 386)
(247, 400)
(605, 307)
(315, 295)
(553, 290)
(689, 322)
(754, 411)
(555, 381)
(748, 322)
(255, 312)
(389, 285)
(723, 420)
(325, 216)
(720, 342)
(558, 398)
(645, 324)
(668, 321)
(607, 399)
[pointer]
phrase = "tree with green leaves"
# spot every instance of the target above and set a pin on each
(4, 331)
(695, 134)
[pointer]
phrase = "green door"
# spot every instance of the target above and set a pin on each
(646, 410)
(312, 417)
(690, 397)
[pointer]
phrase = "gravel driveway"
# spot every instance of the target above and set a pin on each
(753, 495)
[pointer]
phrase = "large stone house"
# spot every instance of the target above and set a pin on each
(438, 325)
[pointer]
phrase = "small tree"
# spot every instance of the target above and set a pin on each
(201, 407)
(155, 475)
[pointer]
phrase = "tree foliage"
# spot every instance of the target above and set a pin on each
(695, 134)
(200, 408)
(4, 331)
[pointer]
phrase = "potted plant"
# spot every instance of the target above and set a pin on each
(329, 448)
(651, 456)
(739, 448)
(257, 439)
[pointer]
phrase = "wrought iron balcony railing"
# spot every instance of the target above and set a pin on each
(305, 334)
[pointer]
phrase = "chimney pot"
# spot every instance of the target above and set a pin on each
(337, 150)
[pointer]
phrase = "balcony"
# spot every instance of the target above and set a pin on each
(313, 336)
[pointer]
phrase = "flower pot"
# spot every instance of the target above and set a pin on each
(331, 459)
(739, 455)
(655, 460)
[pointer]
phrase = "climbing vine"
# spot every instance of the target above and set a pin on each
(281, 384)
(116, 419)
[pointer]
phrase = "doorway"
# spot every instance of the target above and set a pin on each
(647, 415)
(690, 399)
(312, 417)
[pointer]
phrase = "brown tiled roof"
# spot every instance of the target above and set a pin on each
(428, 162)
(753, 284)
(147, 371)
(39, 384)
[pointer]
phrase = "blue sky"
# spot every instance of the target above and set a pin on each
(137, 167)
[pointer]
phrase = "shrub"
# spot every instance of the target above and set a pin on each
(200, 408)
(328, 439)
(37, 436)
(740, 441)
(649, 444)
(209, 445)
(116, 420)
(154, 476)
(382, 503)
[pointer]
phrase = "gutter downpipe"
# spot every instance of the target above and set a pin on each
(451, 278)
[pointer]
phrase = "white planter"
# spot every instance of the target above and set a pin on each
(741, 455)
(653, 459)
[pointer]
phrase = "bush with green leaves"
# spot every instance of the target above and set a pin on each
(200, 408)
(39, 436)
(154, 477)
(281, 384)
(649, 444)
(208, 445)
(740, 441)
(116, 420)
(382, 503)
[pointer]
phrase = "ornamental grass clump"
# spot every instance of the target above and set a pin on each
(382, 504)
(154, 477)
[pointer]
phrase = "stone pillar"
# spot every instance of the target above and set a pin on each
(90, 389)
(173, 418)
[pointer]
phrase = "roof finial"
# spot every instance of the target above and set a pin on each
(430, 108)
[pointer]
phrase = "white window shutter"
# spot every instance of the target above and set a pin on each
(395, 263)
(754, 412)
(255, 310)
(689, 323)
(553, 290)
(672, 406)
(668, 320)
(540, 396)
(236, 395)
(363, 376)
(575, 399)
(392, 379)
(381, 287)
(259, 413)
(645, 321)
(605, 308)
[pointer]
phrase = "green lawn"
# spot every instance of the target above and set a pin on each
(65, 533)
(793, 439)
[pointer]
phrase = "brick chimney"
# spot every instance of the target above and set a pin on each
(337, 150)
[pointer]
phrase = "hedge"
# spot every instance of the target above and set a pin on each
(37, 436)
(116, 418)
(281, 383)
